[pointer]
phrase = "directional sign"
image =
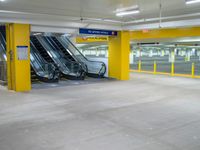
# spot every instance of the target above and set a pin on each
(91, 39)
(97, 32)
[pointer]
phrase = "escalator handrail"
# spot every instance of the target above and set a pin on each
(61, 57)
(103, 64)
(4, 41)
(67, 61)
(44, 43)
(3, 46)
(43, 61)
(48, 47)
(79, 51)
(72, 54)
(76, 61)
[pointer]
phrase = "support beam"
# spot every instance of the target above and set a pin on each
(118, 60)
(18, 57)
(165, 33)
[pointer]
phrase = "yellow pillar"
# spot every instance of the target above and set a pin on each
(18, 57)
(119, 50)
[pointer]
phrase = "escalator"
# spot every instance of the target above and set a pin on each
(40, 69)
(44, 71)
(3, 59)
(66, 52)
(69, 68)
(2, 48)
(94, 68)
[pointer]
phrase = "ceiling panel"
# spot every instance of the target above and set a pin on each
(101, 8)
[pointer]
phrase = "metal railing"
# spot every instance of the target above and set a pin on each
(183, 69)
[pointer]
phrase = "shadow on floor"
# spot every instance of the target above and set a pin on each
(65, 82)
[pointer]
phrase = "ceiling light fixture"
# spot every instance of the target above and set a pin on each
(127, 11)
(2, 0)
(192, 1)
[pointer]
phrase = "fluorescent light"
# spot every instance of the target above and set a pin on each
(192, 1)
(37, 34)
(135, 7)
(126, 13)
(2, 0)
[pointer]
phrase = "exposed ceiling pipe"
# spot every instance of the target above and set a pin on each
(162, 18)
(66, 18)
(74, 22)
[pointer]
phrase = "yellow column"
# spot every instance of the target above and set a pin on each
(18, 57)
(119, 50)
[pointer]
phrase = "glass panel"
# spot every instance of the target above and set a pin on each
(40, 66)
(93, 67)
(65, 66)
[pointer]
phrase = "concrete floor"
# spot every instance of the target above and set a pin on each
(147, 113)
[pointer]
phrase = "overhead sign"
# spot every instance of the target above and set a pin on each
(97, 32)
(91, 39)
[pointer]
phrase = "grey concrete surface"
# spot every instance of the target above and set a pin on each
(146, 113)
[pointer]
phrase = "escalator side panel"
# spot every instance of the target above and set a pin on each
(44, 44)
(94, 68)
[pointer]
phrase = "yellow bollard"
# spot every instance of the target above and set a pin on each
(172, 69)
(193, 70)
(140, 66)
(155, 67)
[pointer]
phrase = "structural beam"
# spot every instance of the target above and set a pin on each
(165, 33)
(18, 57)
(118, 60)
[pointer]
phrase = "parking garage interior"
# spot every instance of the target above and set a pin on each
(93, 75)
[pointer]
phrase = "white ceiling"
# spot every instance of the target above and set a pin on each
(67, 13)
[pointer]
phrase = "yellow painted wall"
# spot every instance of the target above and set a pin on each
(165, 33)
(19, 77)
(118, 62)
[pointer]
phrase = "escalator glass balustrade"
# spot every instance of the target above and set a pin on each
(69, 69)
(94, 68)
(45, 71)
